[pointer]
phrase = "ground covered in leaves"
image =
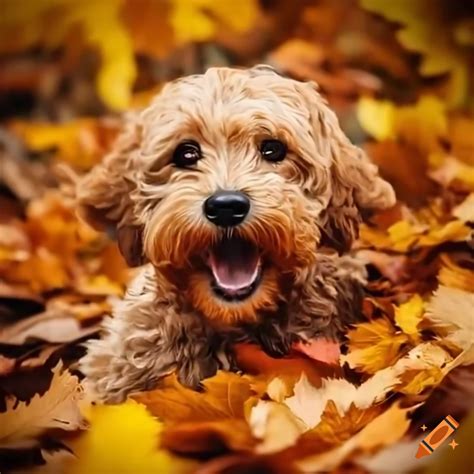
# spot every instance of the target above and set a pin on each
(402, 92)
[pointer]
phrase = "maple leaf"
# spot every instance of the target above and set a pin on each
(224, 397)
(308, 402)
(373, 345)
(58, 407)
(335, 428)
(122, 438)
(423, 366)
(450, 311)
(374, 435)
(408, 315)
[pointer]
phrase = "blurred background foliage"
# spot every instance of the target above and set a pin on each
(398, 73)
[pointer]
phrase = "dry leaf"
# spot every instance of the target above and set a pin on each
(224, 397)
(373, 345)
(275, 425)
(308, 402)
(57, 408)
(424, 30)
(209, 437)
(421, 125)
(451, 312)
(374, 435)
(454, 276)
(122, 438)
(408, 315)
(200, 19)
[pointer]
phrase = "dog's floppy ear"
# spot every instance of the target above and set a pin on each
(355, 182)
(104, 195)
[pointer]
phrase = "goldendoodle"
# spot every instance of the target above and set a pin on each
(239, 194)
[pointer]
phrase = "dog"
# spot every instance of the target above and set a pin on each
(239, 195)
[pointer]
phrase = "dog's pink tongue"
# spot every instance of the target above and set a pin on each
(234, 264)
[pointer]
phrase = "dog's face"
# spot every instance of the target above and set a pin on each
(228, 184)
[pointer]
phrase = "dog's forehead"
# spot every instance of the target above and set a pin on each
(226, 92)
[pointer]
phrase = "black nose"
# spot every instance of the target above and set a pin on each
(227, 208)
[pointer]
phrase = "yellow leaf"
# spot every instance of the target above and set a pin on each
(334, 427)
(415, 383)
(82, 142)
(98, 285)
(421, 125)
(122, 438)
(455, 276)
(424, 30)
(58, 407)
(50, 22)
(377, 117)
(409, 314)
(404, 236)
(199, 20)
(373, 346)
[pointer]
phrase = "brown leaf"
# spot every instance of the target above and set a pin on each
(224, 397)
(57, 408)
(374, 435)
(210, 437)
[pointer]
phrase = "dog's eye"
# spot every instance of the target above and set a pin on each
(273, 150)
(186, 154)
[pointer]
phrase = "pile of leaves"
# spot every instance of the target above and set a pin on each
(401, 91)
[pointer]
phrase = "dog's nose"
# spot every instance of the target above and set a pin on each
(227, 208)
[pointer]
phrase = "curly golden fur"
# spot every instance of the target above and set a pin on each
(301, 208)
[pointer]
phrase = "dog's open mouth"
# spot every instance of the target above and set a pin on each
(236, 268)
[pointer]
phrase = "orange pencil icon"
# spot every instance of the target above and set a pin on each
(436, 437)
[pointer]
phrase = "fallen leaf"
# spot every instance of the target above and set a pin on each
(408, 315)
(450, 310)
(424, 30)
(57, 408)
(372, 436)
(405, 236)
(49, 326)
(275, 425)
(336, 427)
(224, 397)
(199, 20)
(373, 345)
(421, 125)
(455, 276)
(122, 438)
(208, 437)
(308, 402)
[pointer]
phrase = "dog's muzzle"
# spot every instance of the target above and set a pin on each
(227, 208)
